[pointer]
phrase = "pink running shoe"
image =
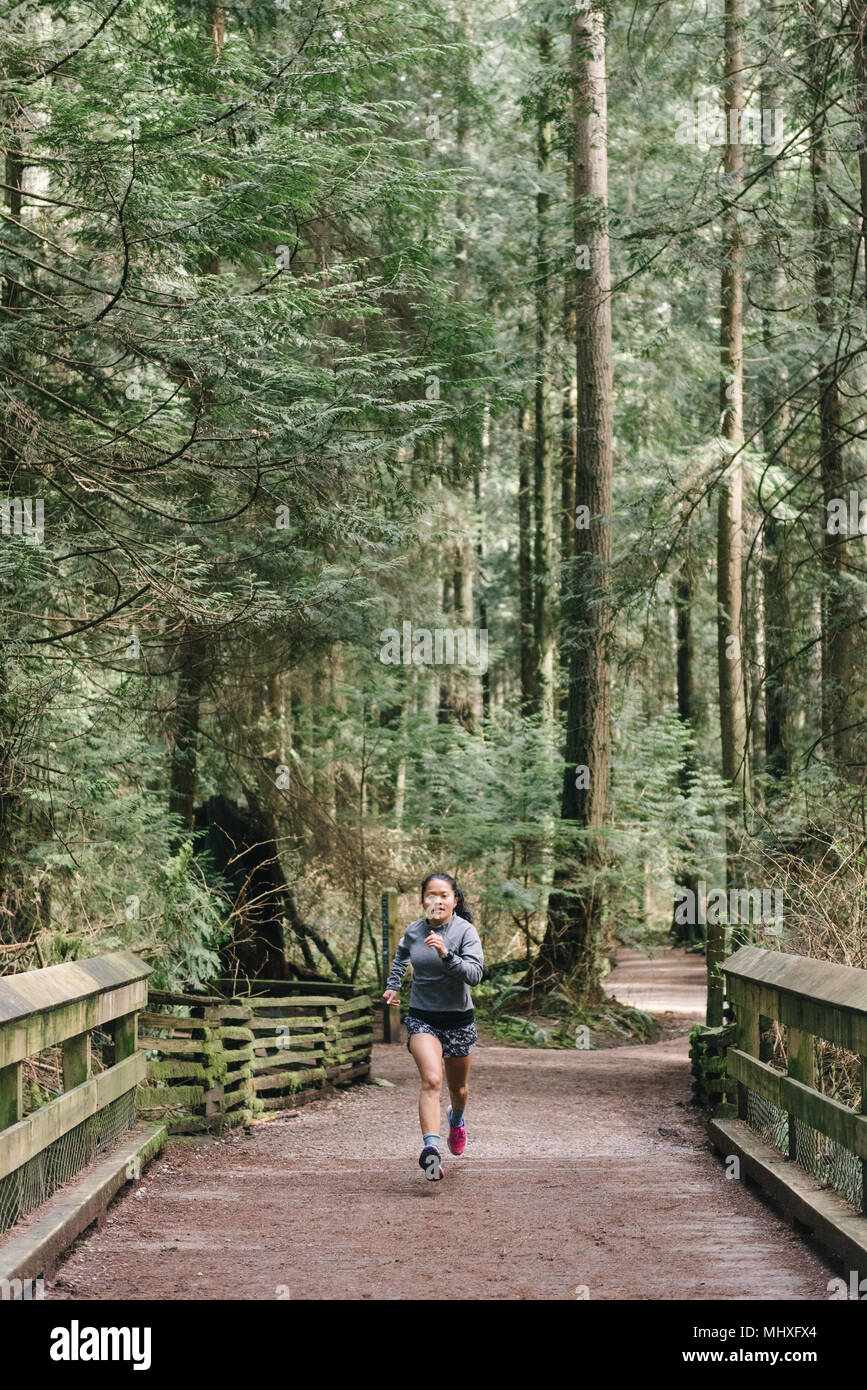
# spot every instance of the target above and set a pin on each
(457, 1135)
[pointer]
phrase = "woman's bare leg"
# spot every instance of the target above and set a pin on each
(457, 1076)
(428, 1054)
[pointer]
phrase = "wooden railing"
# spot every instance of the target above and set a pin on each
(813, 999)
(40, 1009)
(255, 1047)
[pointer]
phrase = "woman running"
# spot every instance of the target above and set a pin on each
(446, 955)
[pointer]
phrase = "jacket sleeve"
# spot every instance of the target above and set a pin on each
(470, 960)
(398, 965)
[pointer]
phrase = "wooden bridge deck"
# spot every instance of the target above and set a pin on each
(582, 1170)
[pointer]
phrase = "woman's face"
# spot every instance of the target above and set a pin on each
(439, 901)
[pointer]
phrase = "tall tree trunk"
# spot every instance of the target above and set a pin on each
(858, 11)
(410, 707)
(454, 697)
(10, 711)
(778, 678)
(684, 598)
(478, 483)
(840, 615)
(525, 564)
(732, 707)
(543, 483)
(754, 616)
(192, 647)
(568, 460)
(323, 759)
(192, 670)
(571, 938)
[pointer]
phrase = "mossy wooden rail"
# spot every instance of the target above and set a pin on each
(40, 1009)
(257, 1047)
(821, 1135)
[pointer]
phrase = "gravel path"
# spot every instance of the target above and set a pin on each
(674, 983)
(584, 1171)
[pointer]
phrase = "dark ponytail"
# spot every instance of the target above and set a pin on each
(461, 909)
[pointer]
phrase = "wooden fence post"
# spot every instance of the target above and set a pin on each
(747, 1033)
(125, 1035)
(391, 935)
(11, 1094)
(76, 1060)
(864, 1112)
(802, 1068)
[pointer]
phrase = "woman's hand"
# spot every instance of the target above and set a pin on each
(434, 939)
(391, 996)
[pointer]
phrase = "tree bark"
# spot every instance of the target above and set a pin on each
(574, 920)
(858, 10)
(543, 483)
(478, 482)
(778, 678)
(568, 461)
(192, 668)
(684, 597)
(733, 732)
(525, 564)
(840, 613)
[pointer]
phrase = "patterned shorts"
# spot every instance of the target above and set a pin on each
(456, 1042)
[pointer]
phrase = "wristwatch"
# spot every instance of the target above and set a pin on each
(449, 955)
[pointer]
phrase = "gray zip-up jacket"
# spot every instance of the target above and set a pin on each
(439, 985)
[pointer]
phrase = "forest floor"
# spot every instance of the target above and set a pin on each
(586, 1174)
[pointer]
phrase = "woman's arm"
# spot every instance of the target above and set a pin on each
(469, 961)
(398, 965)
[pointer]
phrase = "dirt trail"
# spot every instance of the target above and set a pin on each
(672, 984)
(582, 1170)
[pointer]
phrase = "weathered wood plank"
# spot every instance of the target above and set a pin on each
(54, 985)
(361, 1001)
(301, 1041)
(265, 1006)
(844, 1028)
(182, 1047)
(228, 1013)
(187, 1071)
(344, 1074)
(29, 1033)
(164, 996)
(159, 1097)
(29, 1136)
(296, 1023)
(289, 1061)
(232, 1034)
(828, 1116)
(168, 1022)
(349, 1027)
(76, 1061)
(280, 1081)
(274, 1065)
(815, 996)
